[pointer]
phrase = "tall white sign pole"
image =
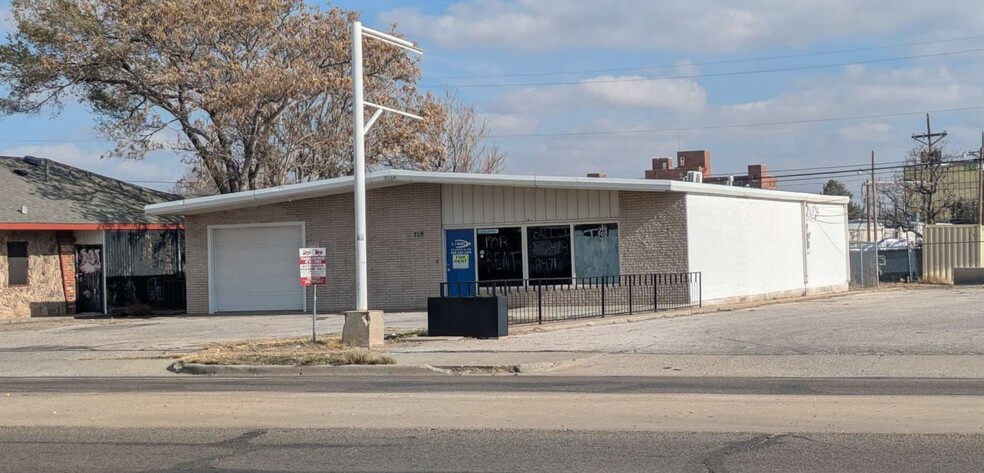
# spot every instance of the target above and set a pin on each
(359, 129)
(359, 138)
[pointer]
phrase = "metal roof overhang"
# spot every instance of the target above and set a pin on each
(388, 178)
(29, 226)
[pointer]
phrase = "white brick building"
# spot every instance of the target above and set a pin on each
(427, 228)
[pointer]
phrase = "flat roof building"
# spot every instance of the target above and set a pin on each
(427, 228)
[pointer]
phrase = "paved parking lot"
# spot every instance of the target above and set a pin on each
(917, 320)
(912, 321)
(68, 338)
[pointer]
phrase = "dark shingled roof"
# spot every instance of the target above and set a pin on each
(69, 195)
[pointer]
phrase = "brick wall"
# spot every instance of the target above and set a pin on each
(66, 259)
(405, 245)
(44, 294)
(652, 232)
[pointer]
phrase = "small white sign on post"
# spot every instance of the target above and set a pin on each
(314, 272)
(314, 269)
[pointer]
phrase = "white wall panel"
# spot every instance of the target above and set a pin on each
(951, 246)
(826, 253)
(464, 205)
(745, 247)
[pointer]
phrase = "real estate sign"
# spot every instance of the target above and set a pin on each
(314, 269)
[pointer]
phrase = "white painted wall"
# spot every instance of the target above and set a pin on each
(826, 254)
(751, 247)
(464, 205)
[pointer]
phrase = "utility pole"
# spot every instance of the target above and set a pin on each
(980, 182)
(929, 138)
(874, 215)
(867, 205)
(929, 159)
(874, 198)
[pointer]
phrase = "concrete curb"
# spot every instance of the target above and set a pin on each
(313, 370)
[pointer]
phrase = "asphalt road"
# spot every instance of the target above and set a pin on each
(72, 449)
(503, 384)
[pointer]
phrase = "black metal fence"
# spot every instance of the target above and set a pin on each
(548, 300)
(158, 292)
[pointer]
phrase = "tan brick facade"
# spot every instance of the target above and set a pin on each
(652, 232)
(405, 245)
(44, 294)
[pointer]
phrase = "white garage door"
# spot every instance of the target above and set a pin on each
(255, 268)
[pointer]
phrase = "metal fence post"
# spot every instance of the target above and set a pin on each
(539, 304)
(655, 294)
(631, 283)
(604, 282)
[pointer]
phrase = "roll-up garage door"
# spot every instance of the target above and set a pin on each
(255, 268)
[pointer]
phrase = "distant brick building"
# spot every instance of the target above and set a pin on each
(687, 161)
(700, 161)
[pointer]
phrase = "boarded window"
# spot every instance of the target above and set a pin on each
(500, 253)
(596, 250)
(549, 250)
(16, 263)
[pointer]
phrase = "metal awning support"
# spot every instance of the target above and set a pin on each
(372, 119)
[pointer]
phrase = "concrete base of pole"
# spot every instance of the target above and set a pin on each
(363, 329)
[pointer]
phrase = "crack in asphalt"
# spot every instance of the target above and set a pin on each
(759, 344)
(873, 362)
(714, 462)
(242, 444)
(235, 446)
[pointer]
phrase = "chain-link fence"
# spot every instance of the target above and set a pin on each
(864, 264)
(871, 264)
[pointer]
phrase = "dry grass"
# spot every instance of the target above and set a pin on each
(293, 352)
(936, 280)
(408, 334)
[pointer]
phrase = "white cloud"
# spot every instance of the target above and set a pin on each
(868, 133)
(611, 92)
(864, 92)
(856, 91)
(624, 155)
(675, 94)
(691, 26)
(506, 123)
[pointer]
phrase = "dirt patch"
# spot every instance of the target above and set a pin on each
(291, 352)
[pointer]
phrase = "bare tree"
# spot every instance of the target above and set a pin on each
(921, 192)
(255, 92)
(464, 141)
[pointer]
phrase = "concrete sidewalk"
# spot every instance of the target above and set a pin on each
(933, 332)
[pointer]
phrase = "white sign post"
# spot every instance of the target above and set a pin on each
(314, 272)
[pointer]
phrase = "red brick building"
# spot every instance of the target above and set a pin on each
(700, 161)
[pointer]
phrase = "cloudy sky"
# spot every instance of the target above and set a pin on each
(571, 87)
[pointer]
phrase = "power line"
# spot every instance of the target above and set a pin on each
(707, 63)
(841, 166)
(736, 125)
(715, 74)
